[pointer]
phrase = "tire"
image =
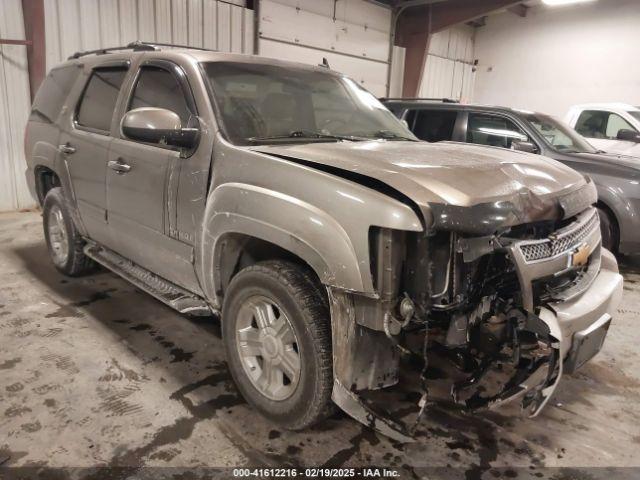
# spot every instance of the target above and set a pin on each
(293, 401)
(608, 230)
(63, 240)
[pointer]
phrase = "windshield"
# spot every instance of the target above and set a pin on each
(267, 104)
(635, 114)
(557, 135)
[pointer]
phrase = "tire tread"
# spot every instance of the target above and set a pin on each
(78, 263)
(312, 299)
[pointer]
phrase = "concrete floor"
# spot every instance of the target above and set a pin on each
(94, 373)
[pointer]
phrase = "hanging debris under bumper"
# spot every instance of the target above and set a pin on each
(506, 325)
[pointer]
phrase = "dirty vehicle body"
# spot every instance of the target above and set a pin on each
(332, 243)
(616, 177)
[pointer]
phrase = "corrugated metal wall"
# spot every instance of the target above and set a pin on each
(352, 34)
(14, 109)
(449, 71)
(73, 25)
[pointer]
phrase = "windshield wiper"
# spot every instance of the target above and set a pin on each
(389, 135)
(303, 134)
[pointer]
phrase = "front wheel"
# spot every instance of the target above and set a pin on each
(275, 325)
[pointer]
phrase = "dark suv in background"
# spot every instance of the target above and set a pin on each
(617, 177)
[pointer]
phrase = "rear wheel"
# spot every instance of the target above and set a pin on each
(63, 240)
(608, 230)
(275, 324)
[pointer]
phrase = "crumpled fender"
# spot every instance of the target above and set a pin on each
(338, 252)
(294, 225)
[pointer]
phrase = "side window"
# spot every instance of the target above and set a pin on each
(157, 87)
(99, 98)
(615, 124)
(592, 124)
(434, 125)
(493, 130)
(53, 92)
(601, 124)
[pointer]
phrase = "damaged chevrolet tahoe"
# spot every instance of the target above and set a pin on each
(338, 251)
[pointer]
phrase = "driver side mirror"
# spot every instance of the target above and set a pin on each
(158, 125)
(523, 146)
(628, 135)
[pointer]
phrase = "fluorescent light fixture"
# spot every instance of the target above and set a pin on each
(554, 3)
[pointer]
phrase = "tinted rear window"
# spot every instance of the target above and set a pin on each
(53, 92)
(433, 125)
(99, 98)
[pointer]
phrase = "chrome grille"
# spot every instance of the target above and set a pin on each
(536, 251)
(560, 242)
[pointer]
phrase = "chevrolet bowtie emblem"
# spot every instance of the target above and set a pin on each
(580, 255)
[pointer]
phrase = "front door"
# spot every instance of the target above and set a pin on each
(85, 147)
(493, 130)
(142, 182)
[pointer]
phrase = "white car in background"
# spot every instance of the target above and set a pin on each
(610, 127)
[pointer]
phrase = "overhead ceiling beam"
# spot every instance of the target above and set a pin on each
(415, 26)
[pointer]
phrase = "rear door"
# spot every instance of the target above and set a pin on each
(85, 142)
(142, 201)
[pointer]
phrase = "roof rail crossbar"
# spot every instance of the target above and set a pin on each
(137, 46)
(444, 100)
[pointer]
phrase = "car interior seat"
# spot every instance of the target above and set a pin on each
(278, 110)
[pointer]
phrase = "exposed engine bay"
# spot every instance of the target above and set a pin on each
(473, 304)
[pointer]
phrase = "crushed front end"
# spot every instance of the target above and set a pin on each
(503, 314)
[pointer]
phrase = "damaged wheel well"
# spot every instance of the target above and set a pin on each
(46, 179)
(239, 251)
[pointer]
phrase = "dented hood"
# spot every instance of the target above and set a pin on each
(457, 186)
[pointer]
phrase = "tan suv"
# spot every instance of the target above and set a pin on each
(332, 244)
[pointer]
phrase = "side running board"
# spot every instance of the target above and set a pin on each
(165, 291)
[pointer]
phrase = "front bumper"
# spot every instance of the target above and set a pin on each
(579, 314)
(579, 325)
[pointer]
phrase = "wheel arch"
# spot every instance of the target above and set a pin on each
(236, 251)
(240, 216)
(45, 179)
(613, 217)
(615, 207)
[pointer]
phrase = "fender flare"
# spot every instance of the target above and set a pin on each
(287, 222)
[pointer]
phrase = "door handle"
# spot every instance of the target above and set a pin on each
(66, 149)
(119, 166)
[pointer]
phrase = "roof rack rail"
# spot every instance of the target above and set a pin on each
(443, 100)
(137, 46)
